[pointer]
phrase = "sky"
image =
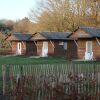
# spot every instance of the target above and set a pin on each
(16, 9)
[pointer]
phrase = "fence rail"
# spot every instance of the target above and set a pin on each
(72, 81)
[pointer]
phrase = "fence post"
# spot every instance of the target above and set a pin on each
(21, 70)
(4, 78)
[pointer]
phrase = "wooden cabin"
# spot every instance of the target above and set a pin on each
(21, 44)
(85, 44)
(51, 43)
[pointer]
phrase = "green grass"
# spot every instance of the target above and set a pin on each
(46, 60)
(27, 60)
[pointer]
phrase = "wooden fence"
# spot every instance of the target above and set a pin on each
(72, 81)
(5, 51)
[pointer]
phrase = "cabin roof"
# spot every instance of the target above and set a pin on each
(19, 37)
(54, 35)
(85, 32)
(94, 32)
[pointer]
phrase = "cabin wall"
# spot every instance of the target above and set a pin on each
(39, 47)
(31, 48)
(59, 49)
(54, 49)
(50, 48)
(79, 33)
(71, 50)
(14, 47)
(82, 48)
(96, 49)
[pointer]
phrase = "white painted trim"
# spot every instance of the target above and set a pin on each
(45, 49)
(76, 43)
(19, 44)
(98, 41)
(89, 53)
(52, 44)
(23, 44)
(35, 43)
(65, 45)
(87, 45)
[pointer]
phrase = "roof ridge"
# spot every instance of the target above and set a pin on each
(54, 32)
(89, 27)
(20, 33)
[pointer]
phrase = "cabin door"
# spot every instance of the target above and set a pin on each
(19, 48)
(88, 53)
(45, 49)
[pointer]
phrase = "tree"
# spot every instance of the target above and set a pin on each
(6, 26)
(55, 15)
(66, 15)
(88, 13)
(24, 25)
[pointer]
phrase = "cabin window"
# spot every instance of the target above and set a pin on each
(89, 46)
(61, 43)
(65, 45)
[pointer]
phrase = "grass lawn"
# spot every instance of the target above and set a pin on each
(27, 60)
(46, 60)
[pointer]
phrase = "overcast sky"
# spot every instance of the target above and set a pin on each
(16, 9)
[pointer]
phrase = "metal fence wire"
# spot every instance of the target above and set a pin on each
(72, 81)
